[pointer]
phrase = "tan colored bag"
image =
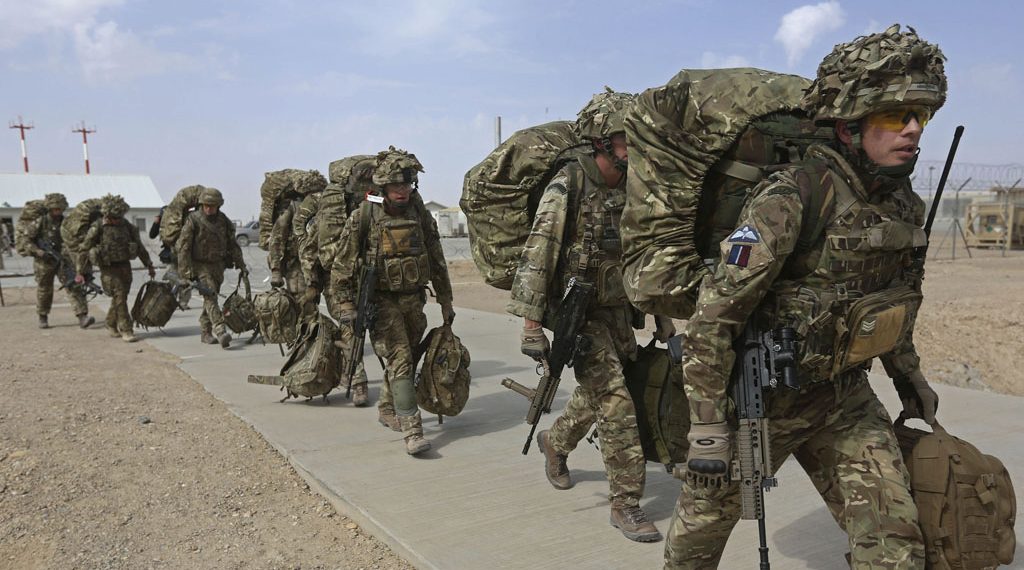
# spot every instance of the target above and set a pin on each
(442, 385)
(965, 500)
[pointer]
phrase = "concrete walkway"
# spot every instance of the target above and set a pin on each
(475, 502)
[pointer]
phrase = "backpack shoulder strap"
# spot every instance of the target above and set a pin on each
(817, 193)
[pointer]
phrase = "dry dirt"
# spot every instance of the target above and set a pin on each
(111, 457)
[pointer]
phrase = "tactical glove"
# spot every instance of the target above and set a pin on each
(534, 343)
(918, 398)
(707, 463)
(664, 329)
(447, 313)
(275, 279)
(346, 312)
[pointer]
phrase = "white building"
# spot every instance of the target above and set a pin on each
(451, 222)
(138, 190)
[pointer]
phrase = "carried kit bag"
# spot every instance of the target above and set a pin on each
(154, 304)
(239, 312)
(77, 222)
(290, 182)
(33, 210)
(173, 217)
(655, 383)
(442, 384)
(965, 500)
(697, 146)
(277, 314)
(313, 367)
(500, 195)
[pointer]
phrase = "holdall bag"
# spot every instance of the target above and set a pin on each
(313, 367)
(277, 313)
(154, 304)
(239, 312)
(442, 385)
(965, 499)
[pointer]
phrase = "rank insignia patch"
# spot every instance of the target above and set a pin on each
(746, 234)
(739, 255)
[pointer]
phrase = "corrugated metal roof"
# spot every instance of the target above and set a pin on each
(137, 189)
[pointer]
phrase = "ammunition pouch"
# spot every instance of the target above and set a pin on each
(405, 264)
(875, 325)
(610, 291)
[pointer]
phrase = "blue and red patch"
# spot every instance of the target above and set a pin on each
(739, 255)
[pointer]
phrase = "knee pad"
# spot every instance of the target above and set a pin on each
(404, 395)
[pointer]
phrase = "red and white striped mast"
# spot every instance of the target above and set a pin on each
(85, 142)
(21, 126)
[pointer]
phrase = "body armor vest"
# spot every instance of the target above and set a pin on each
(49, 231)
(397, 243)
(852, 297)
(116, 244)
(595, 253)
(209, 240)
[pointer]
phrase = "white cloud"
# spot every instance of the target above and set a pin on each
(335, 84)
(800, 27)
(107, 53)
(712, 60)
(454, 27)
(23, 19)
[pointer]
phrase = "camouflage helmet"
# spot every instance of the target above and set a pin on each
(603, 115)
(211, 197)
(55, 201)
(113, 206)
(396, 166)
(873, 72)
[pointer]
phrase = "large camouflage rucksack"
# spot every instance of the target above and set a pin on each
(173, 218)
(33, 210)
(277, 313)
(313, 367)
(965, 500)
(280, 186)
(76, 224)
(501, 193)
(442, 383)
(655, 383)
(697, 146)
(351, 179)
(154, 304)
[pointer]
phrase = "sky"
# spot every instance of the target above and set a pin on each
(217, 92)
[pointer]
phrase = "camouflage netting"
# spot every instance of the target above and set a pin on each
(287, 183)
(677, 133)
(186, 200)
(500, 195)
(33, 210)
(77, 222)
(872, 72)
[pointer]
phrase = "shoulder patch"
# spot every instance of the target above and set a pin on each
(745, 234)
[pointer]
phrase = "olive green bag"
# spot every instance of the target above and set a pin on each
(500, 195)
(442, 384)
(154, 304)
(655, 382)
(239, 311)
(965, 500)
(277, 315)
(278, 185)
(313, 367)
(33, 210)
(173, 218)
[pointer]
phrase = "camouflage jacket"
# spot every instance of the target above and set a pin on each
(305, 228)
(862, 255)
(574, 234)
(46, 229)
(345, 271)
(207, 241)
(107, 244)
(282, 251)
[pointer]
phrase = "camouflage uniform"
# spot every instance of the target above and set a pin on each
(111, 246)
(551, 255)
(205, 245)
(851, 294)
(47, 229)
(283, 255)
(406, 249)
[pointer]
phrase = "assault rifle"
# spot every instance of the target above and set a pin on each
(184, 286)
(566, 344)
(763, 359)
(366, 314)
(66, 272)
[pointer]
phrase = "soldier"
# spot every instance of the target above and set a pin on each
(112, 242)
(576, 234)
(877, 92)
(283, 254)
(207, 241)
(401, 239)
(46, 232)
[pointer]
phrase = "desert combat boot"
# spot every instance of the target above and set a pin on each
(634, 524)
(554, 463)
(360, 395)
(387, 418)
(84, 321)
(412, 427)
(44, 322)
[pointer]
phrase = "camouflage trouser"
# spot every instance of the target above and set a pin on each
(211, 275)
(602, 391)
(46, 271)
(117, 281)
(293, 279)
(398, 329)
(346, 337)
(842, 437)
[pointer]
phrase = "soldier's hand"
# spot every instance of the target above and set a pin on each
(152, 272)
(447, 313)
(79, 279)
(243, 271)
(918, 398)
(534, 343)
(276, 280)
(707, 463)
(664, 329)
(346, 312)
